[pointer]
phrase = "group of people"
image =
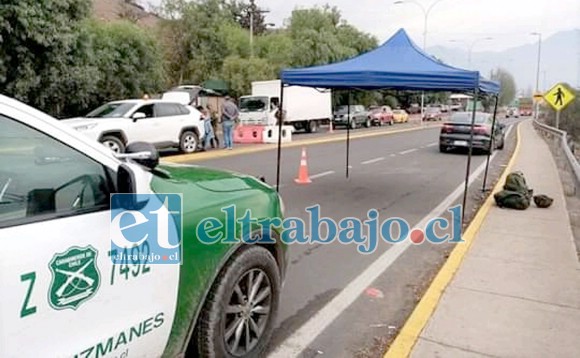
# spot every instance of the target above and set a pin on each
(228, 118)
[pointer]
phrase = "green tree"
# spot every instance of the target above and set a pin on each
(241, 72)
(195, 48)
(320, 36)
(241, 12)
(276, 47)
(508, 86)
(39, 48)
(129, 60)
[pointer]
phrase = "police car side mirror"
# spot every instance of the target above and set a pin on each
(142, 153)
(130, 180)
(126, 183)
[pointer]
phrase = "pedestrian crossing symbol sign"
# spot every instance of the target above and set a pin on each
(75, 277)
(559, 97)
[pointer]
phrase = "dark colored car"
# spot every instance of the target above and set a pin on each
(456, 133)
(358, 116)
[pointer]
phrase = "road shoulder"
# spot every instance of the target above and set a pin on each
(519, 281)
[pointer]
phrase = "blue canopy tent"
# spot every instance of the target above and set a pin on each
(397, 64)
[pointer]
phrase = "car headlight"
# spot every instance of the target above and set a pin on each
(85, 127)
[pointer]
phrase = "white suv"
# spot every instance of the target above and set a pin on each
(163, 123)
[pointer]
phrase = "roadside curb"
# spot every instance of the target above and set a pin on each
(304, 142)
(405, 341)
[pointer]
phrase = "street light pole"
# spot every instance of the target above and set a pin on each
(426, 13)
(470, 48)
(252, 32)
(252, 11)
(538, 70)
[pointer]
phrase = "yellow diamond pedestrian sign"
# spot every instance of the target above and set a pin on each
(559, 97)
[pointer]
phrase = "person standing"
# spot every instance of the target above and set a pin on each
(209, 134)
(215, 143)
(230, 115)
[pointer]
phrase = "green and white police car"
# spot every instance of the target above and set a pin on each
(63, 296)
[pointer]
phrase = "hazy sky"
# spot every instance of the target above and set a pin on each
(508, 21)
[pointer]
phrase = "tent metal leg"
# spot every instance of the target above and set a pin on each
(483, 189)
(468, 169)
(348, 137)
(280, 124)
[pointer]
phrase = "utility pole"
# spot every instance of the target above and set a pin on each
(253, 10)
(426, 12)
(538, 70)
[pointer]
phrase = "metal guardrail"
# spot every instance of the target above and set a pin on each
(561, 136)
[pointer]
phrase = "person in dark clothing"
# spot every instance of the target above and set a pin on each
(230, 116)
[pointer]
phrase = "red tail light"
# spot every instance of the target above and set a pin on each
(481, 130)
(447, 128)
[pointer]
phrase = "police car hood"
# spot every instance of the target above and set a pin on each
(213, 179)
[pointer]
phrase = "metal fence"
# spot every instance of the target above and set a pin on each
(563, 150)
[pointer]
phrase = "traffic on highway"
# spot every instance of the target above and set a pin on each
(260, 208)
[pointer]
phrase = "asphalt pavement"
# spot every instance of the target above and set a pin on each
(401, 175)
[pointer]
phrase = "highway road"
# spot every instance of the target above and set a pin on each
(323, 312)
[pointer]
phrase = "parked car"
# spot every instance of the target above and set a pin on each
(432, 114)
(400, 116)
(414, 109)
(456, 132)
(381, 115)
(513, 112)
(358, 116)
(60, 221)
(160, 122)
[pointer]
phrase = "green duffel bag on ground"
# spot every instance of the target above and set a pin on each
(543, 201)
(512, 200)
(516, 182)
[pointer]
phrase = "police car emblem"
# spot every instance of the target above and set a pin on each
(75, 277)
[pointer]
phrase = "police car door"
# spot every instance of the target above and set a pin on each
(61, 294)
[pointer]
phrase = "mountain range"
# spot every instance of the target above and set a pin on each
(559, 61)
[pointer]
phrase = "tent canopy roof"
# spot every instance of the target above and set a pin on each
(397, 64)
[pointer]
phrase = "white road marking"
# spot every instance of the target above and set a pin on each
(307, 333)
(433, 144)
(393, 155)
(316, 176)
(373, 161)
(408, 151)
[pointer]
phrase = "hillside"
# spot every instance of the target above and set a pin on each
(560, 61)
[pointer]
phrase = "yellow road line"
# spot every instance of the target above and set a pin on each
(305, 142)
(409, 334)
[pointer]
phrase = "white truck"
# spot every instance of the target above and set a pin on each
(305, 108)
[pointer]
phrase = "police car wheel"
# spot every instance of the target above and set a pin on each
(239, 312)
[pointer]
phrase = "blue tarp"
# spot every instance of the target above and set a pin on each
(397, 64)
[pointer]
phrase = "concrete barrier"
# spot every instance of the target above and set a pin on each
(270, 134)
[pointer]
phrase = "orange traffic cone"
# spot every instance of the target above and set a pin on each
(303, 177)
